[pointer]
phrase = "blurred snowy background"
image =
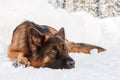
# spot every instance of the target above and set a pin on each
(98, 8)
(79, 27)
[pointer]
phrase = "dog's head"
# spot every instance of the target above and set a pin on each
(50, 50)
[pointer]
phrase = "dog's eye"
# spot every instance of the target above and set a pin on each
(53, 52)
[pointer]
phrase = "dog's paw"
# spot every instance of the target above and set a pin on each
(22, 62)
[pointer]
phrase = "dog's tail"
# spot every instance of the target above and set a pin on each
(82, 47)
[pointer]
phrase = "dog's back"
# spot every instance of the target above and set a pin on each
(20, 40)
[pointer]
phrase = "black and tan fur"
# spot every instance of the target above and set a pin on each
(43, 46)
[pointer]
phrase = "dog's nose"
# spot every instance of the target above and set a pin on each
(70, 63)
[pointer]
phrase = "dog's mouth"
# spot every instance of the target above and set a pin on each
(67, 64)
(60, 67)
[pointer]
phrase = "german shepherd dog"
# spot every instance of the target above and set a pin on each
(43, 46)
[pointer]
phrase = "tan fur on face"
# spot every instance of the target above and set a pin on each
(41, 62)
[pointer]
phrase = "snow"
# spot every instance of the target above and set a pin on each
(79, 27)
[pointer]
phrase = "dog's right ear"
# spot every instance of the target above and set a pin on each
(61, 33)
(36, 37)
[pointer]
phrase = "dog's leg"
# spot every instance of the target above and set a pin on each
(21, 60)
(18, 58)
(82, 47)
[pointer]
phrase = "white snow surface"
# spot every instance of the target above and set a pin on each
(79, 27)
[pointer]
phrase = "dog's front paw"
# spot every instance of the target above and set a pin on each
(21, 62)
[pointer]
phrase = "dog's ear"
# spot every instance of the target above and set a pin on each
(61, 33)
(36, 37)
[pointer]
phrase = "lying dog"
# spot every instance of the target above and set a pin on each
(43, 46)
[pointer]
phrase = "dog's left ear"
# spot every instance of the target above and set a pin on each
(36, 37)
(61, 33)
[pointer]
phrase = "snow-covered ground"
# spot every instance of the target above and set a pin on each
(79, 27)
